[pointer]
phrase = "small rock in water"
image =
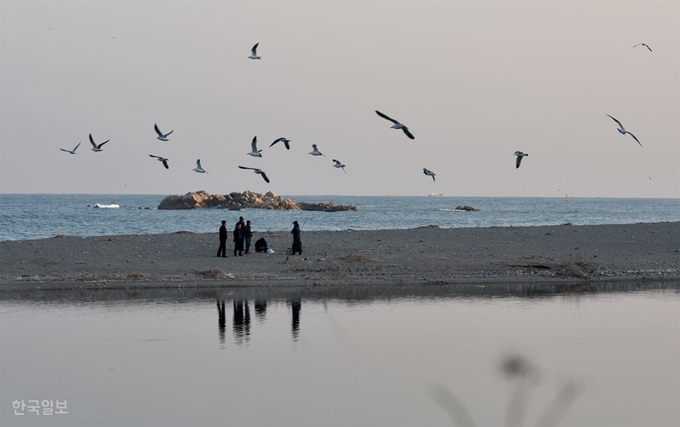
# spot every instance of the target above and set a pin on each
(466, 208)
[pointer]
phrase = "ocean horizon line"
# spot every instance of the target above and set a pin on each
(438, 195)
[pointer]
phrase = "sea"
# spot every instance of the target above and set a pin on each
(36, 216)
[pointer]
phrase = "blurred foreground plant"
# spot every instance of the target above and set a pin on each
(525, 376)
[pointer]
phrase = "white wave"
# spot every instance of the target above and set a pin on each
(104, 206)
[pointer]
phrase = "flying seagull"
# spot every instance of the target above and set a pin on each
(396, 124)
(71, 151)
(253, 52)
(285, 142)
(623, 130)
(519, 155)
(257, 171)
(339, 165)
(643, 44)
(429, 173)
(255, 152)
(162, 136)
(162, 160)
(315, 151)
(95, 147)
(198, 167)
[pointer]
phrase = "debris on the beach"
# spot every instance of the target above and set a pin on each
(358, 258)
(466, 208)
(213, 274)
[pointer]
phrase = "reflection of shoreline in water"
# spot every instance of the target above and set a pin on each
(357, 294)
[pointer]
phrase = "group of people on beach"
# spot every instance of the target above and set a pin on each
(243, 234)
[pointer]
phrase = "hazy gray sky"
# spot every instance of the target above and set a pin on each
(474, 81)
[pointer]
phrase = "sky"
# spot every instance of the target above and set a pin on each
(474, 81)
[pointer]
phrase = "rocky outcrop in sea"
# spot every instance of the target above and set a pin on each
(247, 199)
(466, 208)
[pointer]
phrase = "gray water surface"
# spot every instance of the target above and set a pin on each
(361, 357)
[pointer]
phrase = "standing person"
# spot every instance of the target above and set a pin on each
(223, 241)
(238, 239)
(297, 244)
(248, 233)
(240, 221)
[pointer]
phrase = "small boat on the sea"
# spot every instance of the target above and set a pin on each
(435, 195)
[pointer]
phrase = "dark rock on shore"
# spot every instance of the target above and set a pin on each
(247, 199)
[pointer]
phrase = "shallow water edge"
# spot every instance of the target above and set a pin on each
(366, 292)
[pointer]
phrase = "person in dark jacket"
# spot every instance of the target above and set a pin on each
(248, 233)
(261, 245)
(297, 244)
(238, 239)
(222, 251)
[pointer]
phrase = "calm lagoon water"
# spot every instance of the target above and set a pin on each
(360, 357)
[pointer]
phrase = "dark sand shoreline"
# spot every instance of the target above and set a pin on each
(426, 255)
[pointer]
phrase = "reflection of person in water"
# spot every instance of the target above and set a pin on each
(221, 319)
(296, 305)
(241, 321)
(260, 309)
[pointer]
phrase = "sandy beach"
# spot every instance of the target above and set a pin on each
(562, 253)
